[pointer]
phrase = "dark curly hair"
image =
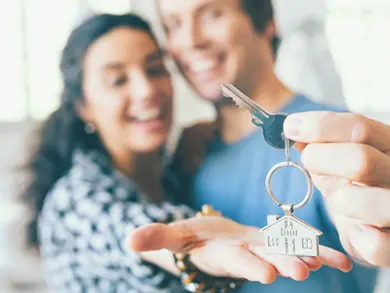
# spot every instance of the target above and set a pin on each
(64, 130)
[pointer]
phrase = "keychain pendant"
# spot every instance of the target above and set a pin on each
(290, 235)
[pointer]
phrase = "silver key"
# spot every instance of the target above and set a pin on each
(272, 124)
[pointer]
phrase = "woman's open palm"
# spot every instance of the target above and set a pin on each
(222, 247)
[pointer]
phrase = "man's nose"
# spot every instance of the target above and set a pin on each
(192, 36)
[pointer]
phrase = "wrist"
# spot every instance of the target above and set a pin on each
(194, 278)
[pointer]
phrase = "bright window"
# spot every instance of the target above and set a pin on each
(12, 60)
(46, 34)
(358, 31)
(359, 36)
(36, 32)
(114, 7)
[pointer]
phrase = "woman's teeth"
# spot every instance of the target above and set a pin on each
(147, 115)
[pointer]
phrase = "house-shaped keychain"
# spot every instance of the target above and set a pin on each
(290, 236)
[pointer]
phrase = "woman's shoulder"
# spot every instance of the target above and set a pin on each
(91, 178)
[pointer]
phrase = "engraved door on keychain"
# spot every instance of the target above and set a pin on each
(290, 235)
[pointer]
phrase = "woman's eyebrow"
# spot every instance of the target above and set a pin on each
(156, 55)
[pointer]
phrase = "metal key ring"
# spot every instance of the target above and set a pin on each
(295, 165)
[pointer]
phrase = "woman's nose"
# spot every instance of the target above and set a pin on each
(142, 88)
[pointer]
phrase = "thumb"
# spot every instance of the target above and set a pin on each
(174, 237)
(370, 244)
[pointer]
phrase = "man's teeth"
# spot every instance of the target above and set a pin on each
(203, 65)
(148, 115)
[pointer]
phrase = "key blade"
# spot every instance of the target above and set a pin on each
(239, 98)
(243, 101)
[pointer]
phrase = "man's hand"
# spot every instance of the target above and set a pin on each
(348, 157)
(222, 247)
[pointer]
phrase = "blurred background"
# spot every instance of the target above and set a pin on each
(343, 46)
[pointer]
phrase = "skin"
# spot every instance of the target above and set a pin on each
(244, 245)
(216, 31)
(118, 86)
(214, 42)
(221, 247)
(350, 165)
(122, 85)
(219, 30)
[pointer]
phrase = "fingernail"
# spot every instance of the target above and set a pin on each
(292, 126)
(356, 233)
(128, 242)
(356, 240)
(359, 228)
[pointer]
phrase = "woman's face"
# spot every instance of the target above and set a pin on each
(127, 91)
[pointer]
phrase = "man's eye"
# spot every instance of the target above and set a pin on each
(212, 14)
(157, 71)
(172, 25)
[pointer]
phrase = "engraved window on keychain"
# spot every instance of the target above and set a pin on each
(290, 235)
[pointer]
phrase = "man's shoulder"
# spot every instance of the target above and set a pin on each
(200, 130)
(192, 145)
(305, 103)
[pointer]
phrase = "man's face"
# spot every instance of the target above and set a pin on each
(213, 42)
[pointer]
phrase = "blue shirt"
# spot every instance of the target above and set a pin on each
(232, 179)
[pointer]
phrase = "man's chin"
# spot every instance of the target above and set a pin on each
(212, 94)
(215, 97)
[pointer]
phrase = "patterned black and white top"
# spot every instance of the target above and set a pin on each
(83, 225)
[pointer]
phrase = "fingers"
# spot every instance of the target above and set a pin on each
(251, 267)
(335, 259)
(185, 235)
(147, 238)
(234, 259)
(328, 184)
(314, 127)
(151, 237)
(313, 263)
(367, 245)
(369, 205)
(353, 162)
(376, 251)
(287, 266)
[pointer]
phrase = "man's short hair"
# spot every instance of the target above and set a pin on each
(261, 12)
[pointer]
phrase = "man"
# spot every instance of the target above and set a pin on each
(229, 41)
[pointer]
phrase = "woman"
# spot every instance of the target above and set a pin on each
(97, 176)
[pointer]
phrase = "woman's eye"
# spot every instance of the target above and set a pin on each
(119, 81)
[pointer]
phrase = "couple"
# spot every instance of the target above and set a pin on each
(99, 175)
